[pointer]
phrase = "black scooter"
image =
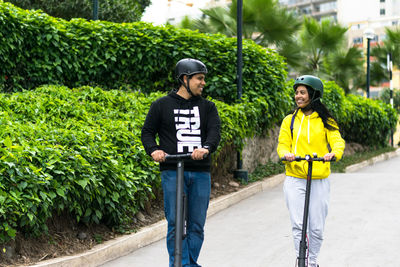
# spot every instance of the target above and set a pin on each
(181, 205)
(303, 242)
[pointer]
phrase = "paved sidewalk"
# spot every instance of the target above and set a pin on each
(361, 230)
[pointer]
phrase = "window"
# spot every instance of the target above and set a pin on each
(357, 40)
(394, 23)
(382, 1)
(382, 12)
(306, 10)
(327, 7)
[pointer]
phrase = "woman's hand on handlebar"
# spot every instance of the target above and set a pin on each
(329, 156)
(289, 157)
(200, 153)
(158, 155)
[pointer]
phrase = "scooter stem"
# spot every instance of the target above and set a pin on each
(303, 242)
(179, 220)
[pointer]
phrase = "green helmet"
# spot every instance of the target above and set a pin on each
(312, 81)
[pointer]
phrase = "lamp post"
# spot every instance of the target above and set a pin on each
(369, 34)
(95, 9)
(239, 48)
(390, 69)
(239, 173)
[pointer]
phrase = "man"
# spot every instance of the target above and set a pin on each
(185, 123)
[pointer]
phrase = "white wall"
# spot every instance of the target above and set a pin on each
(160, 11)
(396, 7)
(357, 10)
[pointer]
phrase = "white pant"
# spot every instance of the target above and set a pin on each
(294, 190)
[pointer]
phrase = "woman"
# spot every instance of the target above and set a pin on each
(310, 129)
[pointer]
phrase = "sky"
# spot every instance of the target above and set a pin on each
(160, 10)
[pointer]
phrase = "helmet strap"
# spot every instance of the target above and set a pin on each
(187, 85)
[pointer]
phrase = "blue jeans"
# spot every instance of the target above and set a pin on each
(197, 187)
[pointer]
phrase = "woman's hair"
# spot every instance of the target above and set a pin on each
(325, 115)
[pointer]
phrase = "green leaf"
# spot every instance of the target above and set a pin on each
(83, 183)
(7, 142)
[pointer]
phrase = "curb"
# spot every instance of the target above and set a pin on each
(371, 161)
(126, 244)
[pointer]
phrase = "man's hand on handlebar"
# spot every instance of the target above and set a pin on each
(158, 155)
(200, 153)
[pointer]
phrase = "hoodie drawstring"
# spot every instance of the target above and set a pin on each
(298, 135)
(308, 132)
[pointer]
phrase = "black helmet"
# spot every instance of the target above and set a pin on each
(189, 66)
(312, 81)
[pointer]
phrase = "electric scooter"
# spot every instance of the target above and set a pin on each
(303, 242)
(181, 205)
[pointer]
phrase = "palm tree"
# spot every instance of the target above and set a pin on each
(390, 45)
(309, 46)
(264, 21)
(345, 67)
(318, 39)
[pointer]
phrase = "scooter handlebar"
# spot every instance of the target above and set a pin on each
(309, 158)
(179, 156)
(182, 156)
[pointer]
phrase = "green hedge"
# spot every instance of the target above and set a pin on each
(79, 151)
(368, 121)
(37, 49)
(361, 120)
(110, 10)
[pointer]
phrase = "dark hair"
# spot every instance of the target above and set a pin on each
(325, 115)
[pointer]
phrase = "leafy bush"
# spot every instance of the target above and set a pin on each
(79, 151)
(368, 121)
(72, 150)
(116, 11)
(37, 49)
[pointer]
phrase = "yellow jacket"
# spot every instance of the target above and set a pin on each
(309, 136)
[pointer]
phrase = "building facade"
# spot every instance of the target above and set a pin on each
(317, 9)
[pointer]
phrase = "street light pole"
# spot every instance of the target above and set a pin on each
(239, 48)
(239, 173)
(95, 9)
(369, 34)
(390, 69)
(368, 44)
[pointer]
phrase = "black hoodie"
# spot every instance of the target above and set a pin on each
(182, 125)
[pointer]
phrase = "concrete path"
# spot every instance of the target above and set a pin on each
(362, 229)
